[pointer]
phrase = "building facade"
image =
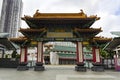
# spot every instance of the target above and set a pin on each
(1, 1)
(64, 53)
(10, 17)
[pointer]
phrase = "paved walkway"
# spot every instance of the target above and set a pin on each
(59, 72)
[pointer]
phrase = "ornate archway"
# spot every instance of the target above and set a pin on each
(74, 27)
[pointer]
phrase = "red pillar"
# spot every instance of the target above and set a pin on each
(40, 52)
(117, 62)
(96, 54)
(23, 54)
(79, 52)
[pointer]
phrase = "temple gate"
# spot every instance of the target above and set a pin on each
(74, 27)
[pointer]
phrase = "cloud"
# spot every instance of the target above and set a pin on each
(108, 10)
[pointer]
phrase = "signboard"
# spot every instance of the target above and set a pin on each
(59, 39)
(59, 34)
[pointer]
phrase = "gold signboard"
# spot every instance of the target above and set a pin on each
(59, 34)
(33, 42)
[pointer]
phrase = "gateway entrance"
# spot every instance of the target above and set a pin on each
(73, 27)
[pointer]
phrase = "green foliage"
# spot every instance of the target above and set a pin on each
(88, 47)
(14, 54)
(111, 54)
(18, 56)
(6, 56)
(104, 53)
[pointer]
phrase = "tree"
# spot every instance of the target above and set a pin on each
(14, 54)
(104, 53)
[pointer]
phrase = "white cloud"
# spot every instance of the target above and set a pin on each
(108, 10)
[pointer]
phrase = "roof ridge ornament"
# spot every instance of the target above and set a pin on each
(37, 13)
(82, 13)
(94, 16)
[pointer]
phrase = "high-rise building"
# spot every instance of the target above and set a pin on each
(1, 1)
(0, 6)
(10, 17)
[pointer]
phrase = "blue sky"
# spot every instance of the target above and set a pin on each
(108, 10)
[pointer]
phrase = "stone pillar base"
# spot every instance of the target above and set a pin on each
(22, 67)
(97, 67)
(39, 67)
(80, 67)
